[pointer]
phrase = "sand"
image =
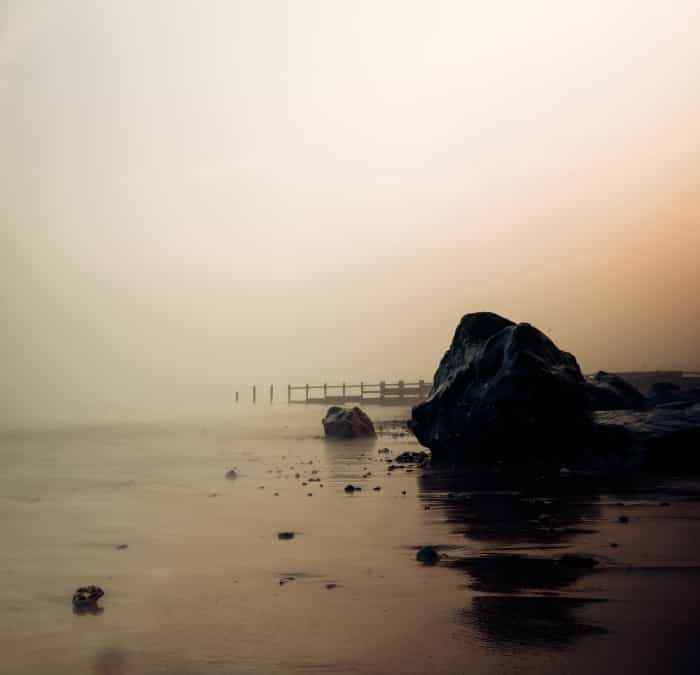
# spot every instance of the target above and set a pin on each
(196, 579)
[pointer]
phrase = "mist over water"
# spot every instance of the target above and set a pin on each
(198, 198)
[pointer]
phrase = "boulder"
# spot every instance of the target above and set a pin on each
(607, 391)
(502, 392)
(658, 439)
(347, 423)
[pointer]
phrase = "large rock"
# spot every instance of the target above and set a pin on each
(607, 391)
(347, 423)
(659, 439)
(503, 391)
(671, 395)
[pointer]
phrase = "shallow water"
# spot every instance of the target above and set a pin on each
(198, 587)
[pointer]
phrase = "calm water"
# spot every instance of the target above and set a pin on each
(197, 590)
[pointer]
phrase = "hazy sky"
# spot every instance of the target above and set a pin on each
(197, 196)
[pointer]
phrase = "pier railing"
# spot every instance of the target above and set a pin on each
(381, 392)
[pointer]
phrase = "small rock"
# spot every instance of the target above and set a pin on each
(376, 489)
(331, 586)
(623, 519)
(121, 547)
(350, 488)
(231, 474)
(87, 596)
(428, 555)
(285, 535)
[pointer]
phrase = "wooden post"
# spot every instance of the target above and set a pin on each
(289, 394)
(236, 397)
(382, 388)
(401, 385)
(421, 387)
(343, 392)
(272, 392)
(254, 394)
(362, 391)
(325, 391)
(307, 393)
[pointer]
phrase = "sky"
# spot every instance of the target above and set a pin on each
(198, 196)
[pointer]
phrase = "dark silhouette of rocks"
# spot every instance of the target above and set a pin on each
(502, 392)
(658, 439)
(347, 423)
(669, 395)
(607, 391)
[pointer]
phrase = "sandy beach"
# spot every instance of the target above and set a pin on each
(196, 579)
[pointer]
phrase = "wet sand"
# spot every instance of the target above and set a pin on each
(205, 585)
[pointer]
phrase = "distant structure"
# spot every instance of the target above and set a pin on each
(382, 393)
(392, 393)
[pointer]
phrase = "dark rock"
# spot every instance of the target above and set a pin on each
(670, 395)
(351, 488)
(331, 586)
(623, 519)
(347, 423)
(657, 439)
(607, 391)
(503, 391)
(383, 451)
(428, 555)
(121, 547)
(87, 596)
(285, 535)
(663, 392)
(231, 473)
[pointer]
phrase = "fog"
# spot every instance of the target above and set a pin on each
(200, 196)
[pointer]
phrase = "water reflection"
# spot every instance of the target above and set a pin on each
(94, 610)
(516, 536)
(543, 621)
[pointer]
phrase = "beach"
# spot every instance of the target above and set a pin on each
(196, 579)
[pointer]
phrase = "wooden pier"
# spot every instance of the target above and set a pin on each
(382, 393)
